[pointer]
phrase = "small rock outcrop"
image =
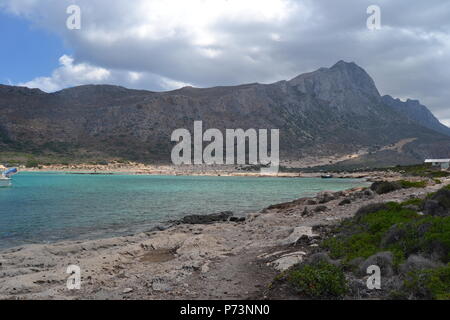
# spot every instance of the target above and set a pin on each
(205, 219)
(416, 262)
(297, 234)
(382, 187)
(288, 260)
(439, 204)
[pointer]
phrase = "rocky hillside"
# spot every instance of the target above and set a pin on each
(417, 112)
(331, 111)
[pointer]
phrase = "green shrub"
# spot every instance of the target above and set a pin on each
(412, 184)
(370, 208)
(361, 236)
(318, 281)
(439, 174)
(429, 284)
(422, 170)
(429, 235)
(413, 202)
(348, 248)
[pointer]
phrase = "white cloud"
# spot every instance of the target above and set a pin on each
(70, 74)
(161, 44)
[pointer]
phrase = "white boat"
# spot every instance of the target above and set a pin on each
(5, 177)
(5, 182)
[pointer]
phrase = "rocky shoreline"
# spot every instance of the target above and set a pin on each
(216, 258)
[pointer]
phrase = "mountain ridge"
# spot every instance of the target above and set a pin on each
(336, 110)
(417, 112)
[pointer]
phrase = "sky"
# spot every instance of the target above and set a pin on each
(166, 44)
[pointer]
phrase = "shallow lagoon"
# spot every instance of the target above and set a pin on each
(47, 207)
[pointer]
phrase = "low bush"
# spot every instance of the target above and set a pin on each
(428, 284)
(428, 235)
(318, 281)
(412, 184)
(413, 202)
(421, 170)
(362, 235)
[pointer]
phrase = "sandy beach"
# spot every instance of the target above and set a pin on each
(196, 170)
(223, 260)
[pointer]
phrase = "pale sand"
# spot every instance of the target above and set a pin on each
(197, 170)
(218, 261)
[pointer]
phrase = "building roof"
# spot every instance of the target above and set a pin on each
(437, 160)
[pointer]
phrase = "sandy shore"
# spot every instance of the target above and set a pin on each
(229, 260)
(197, 170)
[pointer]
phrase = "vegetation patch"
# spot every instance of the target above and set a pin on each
(415, 247)
(362, 235)
(421, 170)
(428, 284)
(427, 235)
(413, 202)
(412, 184)
(318, 281)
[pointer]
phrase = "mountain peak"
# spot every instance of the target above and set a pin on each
(338, 84)
(344, 64)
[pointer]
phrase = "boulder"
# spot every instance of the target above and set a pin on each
(288, 260)
(338, 194)
(434, 208)
(415, 262)
(382, 187)
(439, 204)
(205, 219)
(443, 197)
(297, 234)
(237, 219)
(320, 209)
(325, 197)
(305, 212)
(344, 202)
(382, 259)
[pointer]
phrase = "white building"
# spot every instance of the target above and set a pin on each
(443, 163)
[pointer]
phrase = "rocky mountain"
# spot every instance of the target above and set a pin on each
(417, 112)
(332, 111)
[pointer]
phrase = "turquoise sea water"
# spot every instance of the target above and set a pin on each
(47, 207)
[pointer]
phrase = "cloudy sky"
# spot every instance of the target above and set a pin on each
(166, 44)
